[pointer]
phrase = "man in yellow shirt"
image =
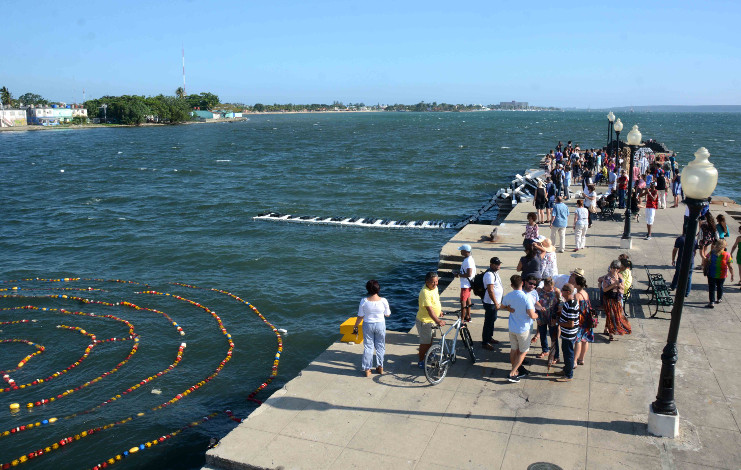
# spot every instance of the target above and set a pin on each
(428, 315)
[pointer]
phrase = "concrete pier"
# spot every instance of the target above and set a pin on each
(331, 416)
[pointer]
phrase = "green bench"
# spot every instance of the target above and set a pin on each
(659, 291)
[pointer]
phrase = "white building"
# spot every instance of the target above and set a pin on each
(12, 117)
(48, 115)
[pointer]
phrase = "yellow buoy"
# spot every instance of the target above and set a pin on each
(14, 406)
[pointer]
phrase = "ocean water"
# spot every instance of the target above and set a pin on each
(159, 205)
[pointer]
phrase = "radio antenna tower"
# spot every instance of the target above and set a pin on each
(184, 93)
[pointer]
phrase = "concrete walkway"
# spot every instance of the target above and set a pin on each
(332, 417)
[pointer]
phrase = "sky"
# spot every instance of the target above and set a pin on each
(548, 53)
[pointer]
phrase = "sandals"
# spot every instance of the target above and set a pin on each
(581, 363)
(542, 355)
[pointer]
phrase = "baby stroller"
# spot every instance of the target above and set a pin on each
(607, 205)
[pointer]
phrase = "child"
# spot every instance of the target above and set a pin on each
(531, 229)
(635, 204)
(550, 297)
(569, 323)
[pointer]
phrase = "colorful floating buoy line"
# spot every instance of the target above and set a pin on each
(46, 403)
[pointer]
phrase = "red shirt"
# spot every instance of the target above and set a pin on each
(623, 182)
(652, 200)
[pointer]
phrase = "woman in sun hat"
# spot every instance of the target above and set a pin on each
(549, 264)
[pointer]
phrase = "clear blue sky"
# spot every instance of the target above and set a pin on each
(551, 53)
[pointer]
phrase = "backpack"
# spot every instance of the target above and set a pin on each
(477, 285)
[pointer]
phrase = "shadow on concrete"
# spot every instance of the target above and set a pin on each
(630, 428)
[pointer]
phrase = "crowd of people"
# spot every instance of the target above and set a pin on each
(542, 305)
(556, 308)
(652, 178)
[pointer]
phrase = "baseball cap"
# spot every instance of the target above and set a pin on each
(495, 260)
(465, 248)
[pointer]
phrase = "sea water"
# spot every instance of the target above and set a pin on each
(158, 205)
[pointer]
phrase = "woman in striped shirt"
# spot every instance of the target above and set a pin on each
(569, 323)
(719, 264)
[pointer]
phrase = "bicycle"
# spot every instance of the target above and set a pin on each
(440, 356)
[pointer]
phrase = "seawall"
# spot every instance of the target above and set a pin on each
(331, 416)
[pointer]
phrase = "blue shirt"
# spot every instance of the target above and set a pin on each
(519, 320)
(560, 215)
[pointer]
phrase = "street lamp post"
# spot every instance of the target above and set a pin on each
(105, 113)
(618, 126)
(610, 121)
(634, 140)
(699, 179)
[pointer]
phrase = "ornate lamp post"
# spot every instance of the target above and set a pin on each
(610, 120)
(634, 140)
(699, 179)
(618, 126)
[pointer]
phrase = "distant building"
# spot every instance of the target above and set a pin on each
(79, 111)
(513, 105)
(201, 114)
(12, 117)
(49, 115)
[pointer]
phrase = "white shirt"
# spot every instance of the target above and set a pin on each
(582, 216)
(467, 263)
(587, 195)
(374, 311)
(492, 279)
(560, 280)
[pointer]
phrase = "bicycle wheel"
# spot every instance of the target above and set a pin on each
(466, 337)
(436, 365)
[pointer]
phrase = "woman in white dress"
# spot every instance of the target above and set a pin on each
(373, 309)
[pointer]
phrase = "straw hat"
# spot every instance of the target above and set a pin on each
(579, 272)
(546, 243)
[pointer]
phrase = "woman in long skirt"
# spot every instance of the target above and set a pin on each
(612, 287)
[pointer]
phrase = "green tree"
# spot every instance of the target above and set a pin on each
(128, 109)
(32, 98)
(180, 92)
(5, 96)
(259, 107)
(203, 100)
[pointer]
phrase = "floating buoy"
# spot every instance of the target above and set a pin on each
(14, 406)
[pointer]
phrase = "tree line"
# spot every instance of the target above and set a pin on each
(136, 109)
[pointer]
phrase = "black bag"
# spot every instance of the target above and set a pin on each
(477, 284)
